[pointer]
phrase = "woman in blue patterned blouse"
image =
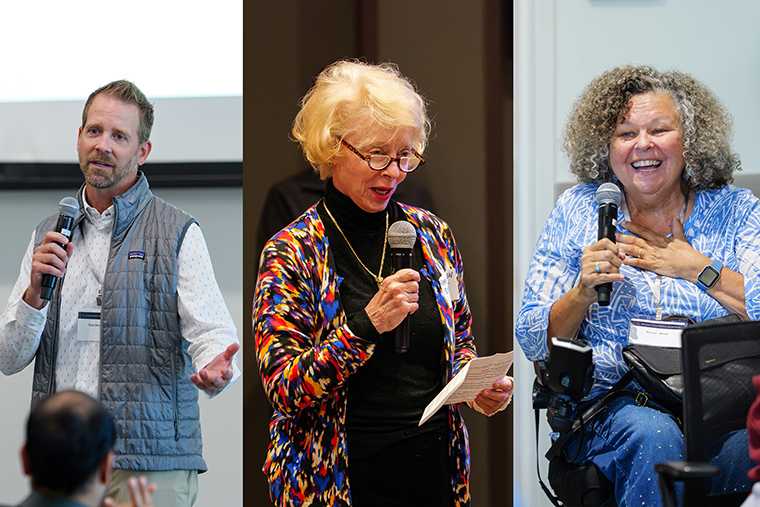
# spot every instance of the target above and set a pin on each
(664, 139)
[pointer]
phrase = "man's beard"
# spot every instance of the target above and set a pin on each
(105, 178)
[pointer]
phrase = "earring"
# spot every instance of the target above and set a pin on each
(687, 174)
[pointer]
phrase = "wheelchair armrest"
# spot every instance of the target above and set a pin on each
(670, 472)
(682, 470)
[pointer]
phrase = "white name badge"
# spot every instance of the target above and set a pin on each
(443, 282)
(659, 333)
(88, 325)
(451, 276)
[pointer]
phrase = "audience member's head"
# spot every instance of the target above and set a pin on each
(68, 438)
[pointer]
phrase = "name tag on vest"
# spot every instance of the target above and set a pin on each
(88, 325)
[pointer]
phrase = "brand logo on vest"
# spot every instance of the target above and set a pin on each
(137, 255)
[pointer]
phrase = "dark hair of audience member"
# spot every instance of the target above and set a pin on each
(67, 438)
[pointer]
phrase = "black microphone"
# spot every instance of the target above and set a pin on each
(67, 210)
(607, 197)
(401, 238)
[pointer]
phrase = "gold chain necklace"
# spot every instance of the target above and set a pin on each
(378, 278)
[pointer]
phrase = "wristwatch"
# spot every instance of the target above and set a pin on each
(709, 275)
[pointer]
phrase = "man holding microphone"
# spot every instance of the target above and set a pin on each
(136, 319)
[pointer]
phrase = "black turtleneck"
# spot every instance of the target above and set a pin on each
(386, 395)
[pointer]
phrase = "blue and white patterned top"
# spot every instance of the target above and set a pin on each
(724, 225)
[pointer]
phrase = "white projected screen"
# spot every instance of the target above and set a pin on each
(185, 56)
(64, 50)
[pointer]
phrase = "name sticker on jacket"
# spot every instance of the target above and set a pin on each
(451, 276)
(88, 325)
(443, 282)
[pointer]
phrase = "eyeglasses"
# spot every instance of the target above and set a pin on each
(379, 162)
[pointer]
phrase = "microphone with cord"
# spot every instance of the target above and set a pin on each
(401, 238)
(608, 198)
(67, 210)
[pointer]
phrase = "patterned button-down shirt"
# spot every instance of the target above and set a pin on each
(724, 225)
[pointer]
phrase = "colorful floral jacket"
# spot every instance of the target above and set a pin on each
(306, 354)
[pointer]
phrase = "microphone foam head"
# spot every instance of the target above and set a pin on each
(401, 234)
(608, 193)
(68, 206)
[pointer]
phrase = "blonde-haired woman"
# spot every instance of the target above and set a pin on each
(346, 405)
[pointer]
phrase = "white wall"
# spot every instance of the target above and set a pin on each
(560, 46)
(219, 213)
(186, 129)
(52, 50)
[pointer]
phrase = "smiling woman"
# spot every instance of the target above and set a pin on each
(646, 156)
(663, 138)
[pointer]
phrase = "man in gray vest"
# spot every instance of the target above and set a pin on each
(137, 320)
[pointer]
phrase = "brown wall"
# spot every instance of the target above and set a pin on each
(459, 54)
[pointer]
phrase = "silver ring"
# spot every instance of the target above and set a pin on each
(639, 252)
(597, 267)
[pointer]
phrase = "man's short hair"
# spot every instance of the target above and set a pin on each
(128, 93)
(68, 435)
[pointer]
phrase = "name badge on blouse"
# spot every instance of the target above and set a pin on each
(659, 333)
(88, 325)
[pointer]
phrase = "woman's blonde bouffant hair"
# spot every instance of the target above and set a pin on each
(351, 97)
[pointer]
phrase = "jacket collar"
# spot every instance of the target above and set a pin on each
(126, 207)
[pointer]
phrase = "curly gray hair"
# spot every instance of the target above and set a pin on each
(709, 160)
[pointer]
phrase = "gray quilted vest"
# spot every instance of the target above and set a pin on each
(145, 367)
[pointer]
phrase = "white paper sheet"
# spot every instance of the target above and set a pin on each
(478, 374)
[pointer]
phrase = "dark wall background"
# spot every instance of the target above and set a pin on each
(460, 56)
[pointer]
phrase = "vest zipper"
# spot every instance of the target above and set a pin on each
(57, 327)
(101, 307)
(56, 330)
(174, 397)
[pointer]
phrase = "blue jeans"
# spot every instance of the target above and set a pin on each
(626, 441)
